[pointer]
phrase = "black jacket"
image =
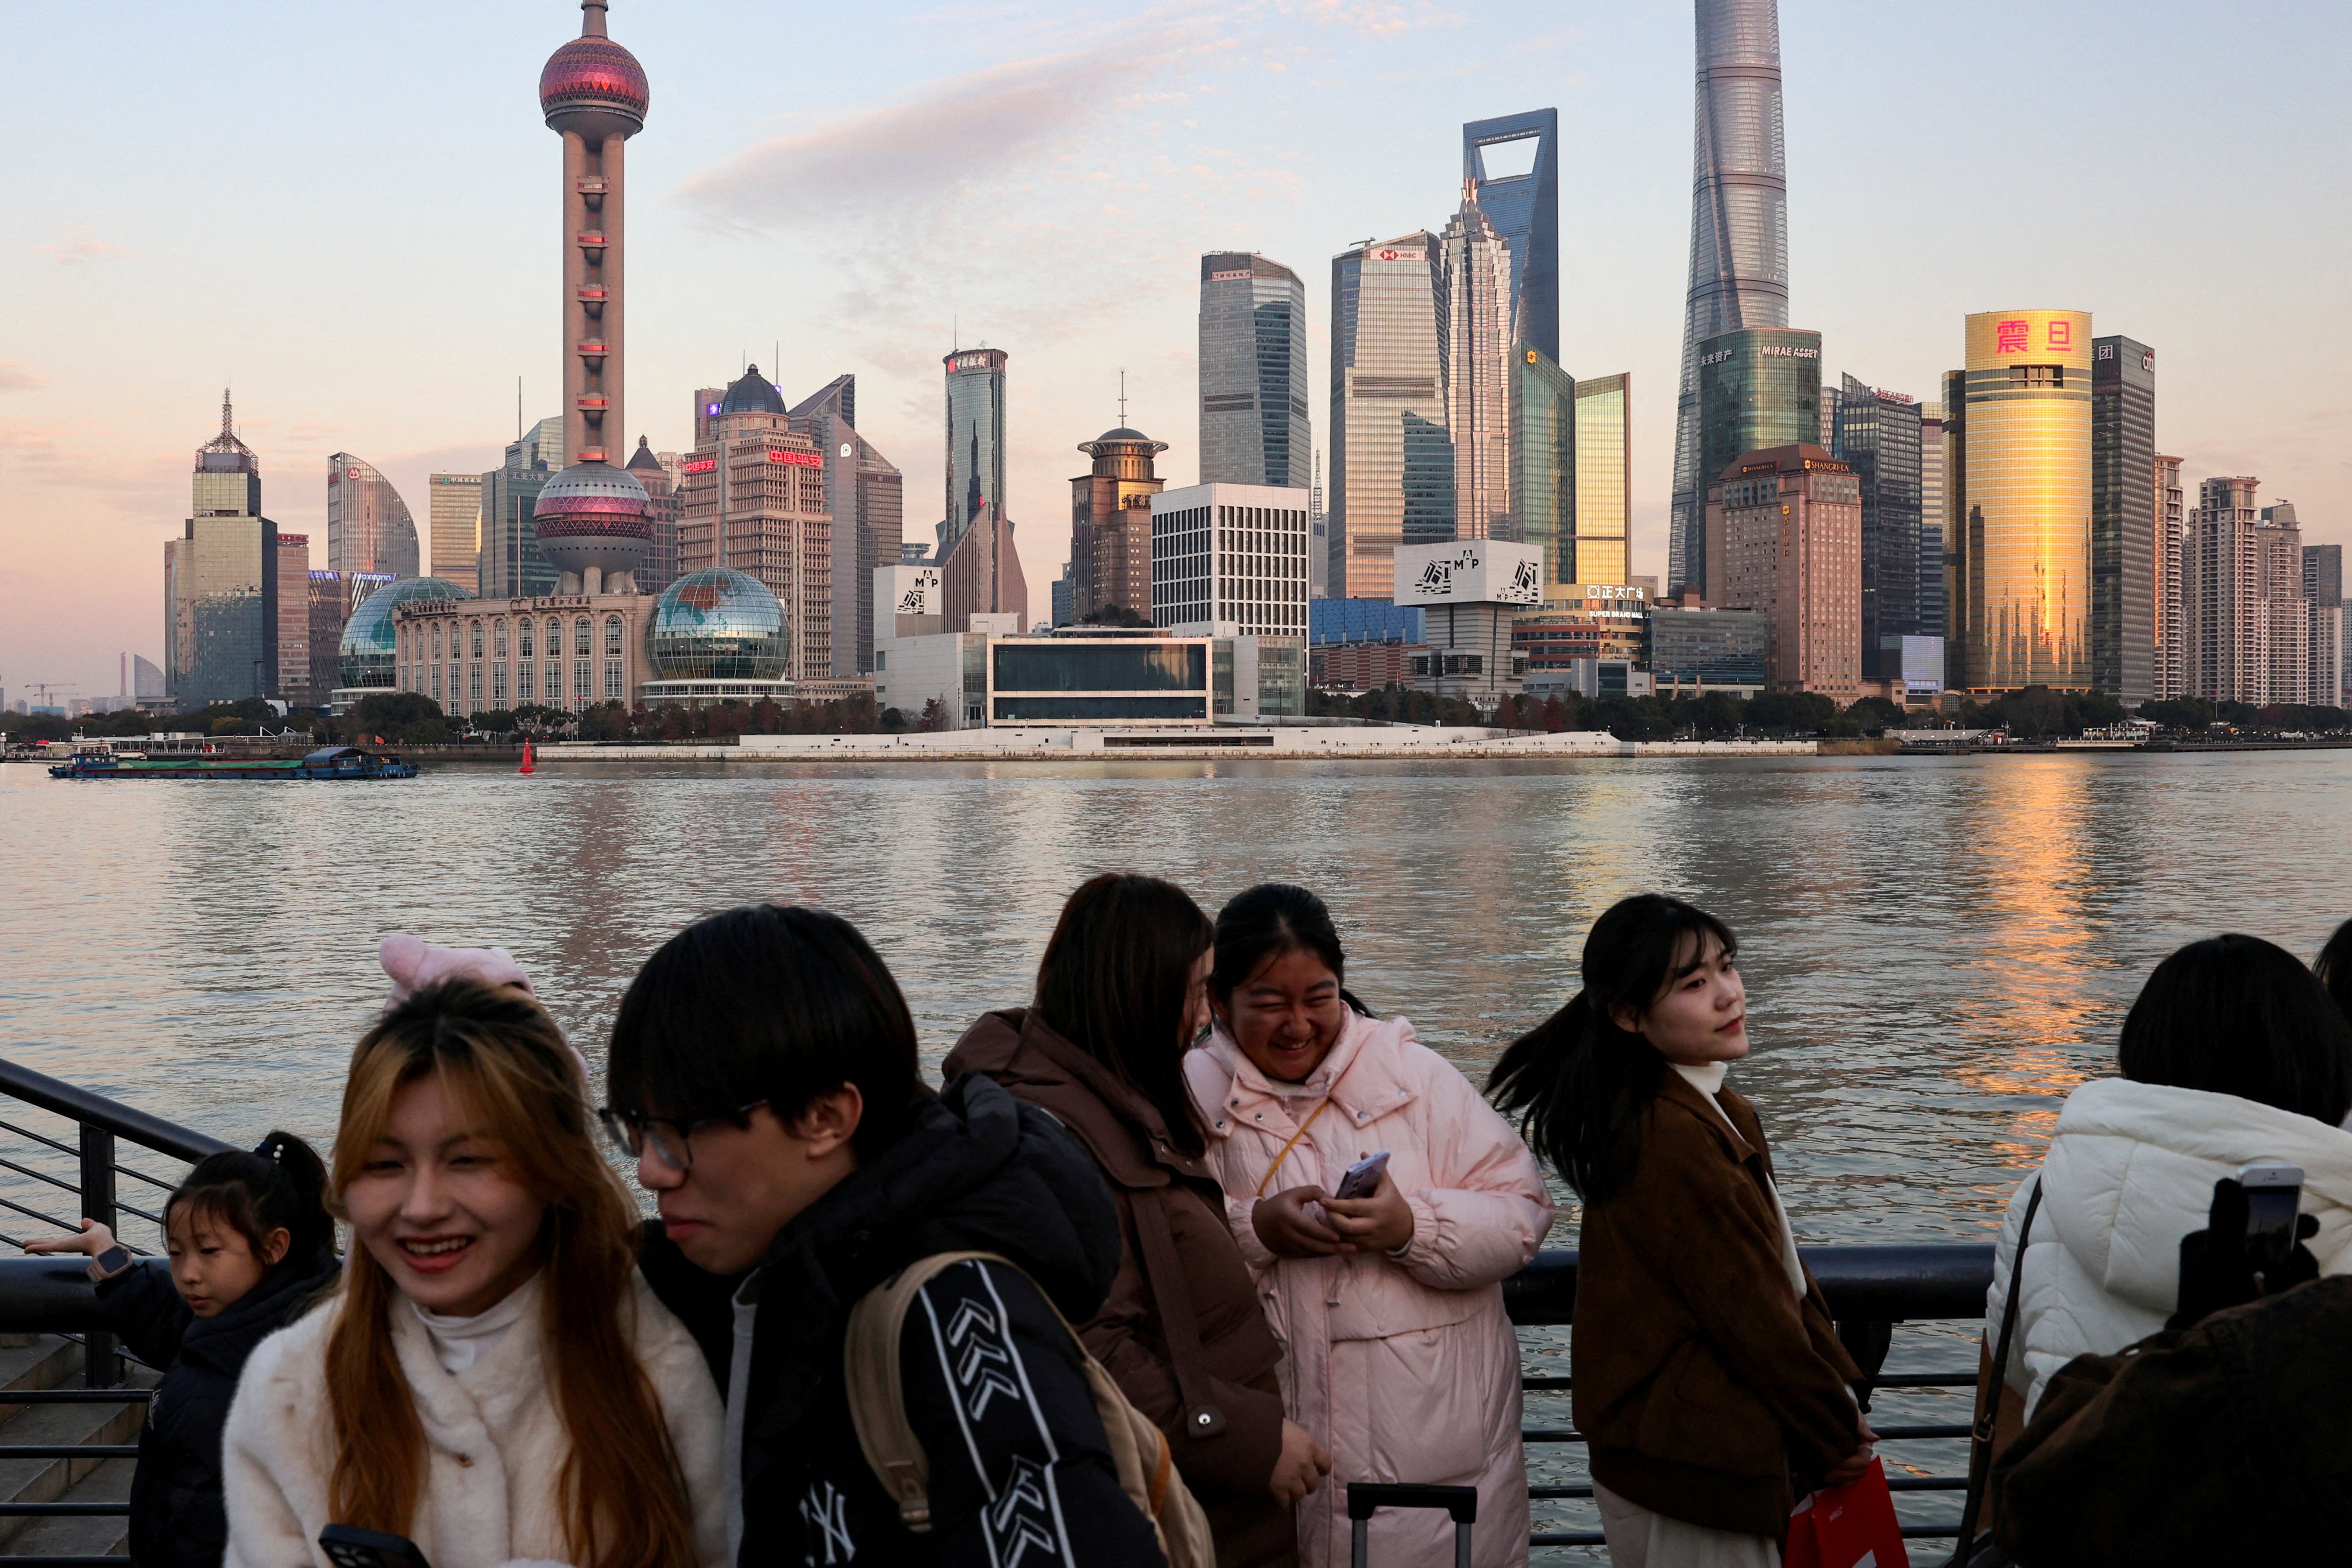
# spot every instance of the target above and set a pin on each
(177, 1520)
(994, 1387)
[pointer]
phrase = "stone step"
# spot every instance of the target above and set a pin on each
(89, 1535)
(31, 1362)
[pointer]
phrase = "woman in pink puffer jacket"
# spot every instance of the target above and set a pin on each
(1396, 1350)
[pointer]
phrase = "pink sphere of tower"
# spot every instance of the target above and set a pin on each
(593, 86)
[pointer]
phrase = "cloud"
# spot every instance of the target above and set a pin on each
(18, 376)
(952, 131)
(75, 252)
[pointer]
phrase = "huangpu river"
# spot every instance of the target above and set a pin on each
(1937, 950)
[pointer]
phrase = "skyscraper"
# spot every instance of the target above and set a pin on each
(1784, 538)
(454, 511)
(1391, 456)
(754, 502)
(1543, 459)
(1524, 210)
(369, 528)
(588, 521)
(2125, 517)
(664, 503)
(2170, 677)
(1110, 524)
(1740, 231)
(2285, 632)
(1759, 388)
(975, 440)
(511, 565)
(2323, 591)
(293, 683)
(1254, 424)
(2021, 488)
(1604, 481)
(1934, 497)
(866, 495)
(1877, 436)
(2248, 620)
(1479, 333)
(220, 580)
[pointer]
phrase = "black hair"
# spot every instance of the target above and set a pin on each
(1268, 920)
(2236, 1014)
(280, 1185)
(1114, 981)
(2333, 967)
(1580, 1084)
(767, 1004)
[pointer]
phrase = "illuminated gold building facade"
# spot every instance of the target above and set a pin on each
(2019, 492)
(1604, 479)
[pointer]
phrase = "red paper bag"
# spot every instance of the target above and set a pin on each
(1852, 1526)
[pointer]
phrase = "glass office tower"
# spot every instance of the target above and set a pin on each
(1479, 335)
(369, 528)
(454, 507)
(1739, 236)
(1877, 436)
(1604, 479)
(1253, 425)
(865, 494)
(510, 566)
(1524, 210)
(1543, 459)
(975, 453)
(2124, 519)
(1932, 620)
(1758, 388)
(1391, 454)
(2019, 435)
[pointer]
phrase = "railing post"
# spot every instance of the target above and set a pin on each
(101, 1363)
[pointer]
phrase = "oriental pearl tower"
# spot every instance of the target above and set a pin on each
(591, 518)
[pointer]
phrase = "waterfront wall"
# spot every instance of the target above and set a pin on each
(1284, 743)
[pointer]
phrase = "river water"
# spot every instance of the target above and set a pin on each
(1937, 950)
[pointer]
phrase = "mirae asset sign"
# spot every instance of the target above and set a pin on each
(1768, 351)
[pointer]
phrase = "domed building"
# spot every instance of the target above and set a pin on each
(1110, 533)
(717, 635)
(368, 656)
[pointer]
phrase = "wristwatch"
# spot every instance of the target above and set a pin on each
(111, 1262)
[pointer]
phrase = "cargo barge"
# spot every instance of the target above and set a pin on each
(327, 762)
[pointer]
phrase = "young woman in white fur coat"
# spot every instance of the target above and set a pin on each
(2232, 1053)
(493, 1380)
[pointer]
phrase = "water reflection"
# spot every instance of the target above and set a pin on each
(1937, 950)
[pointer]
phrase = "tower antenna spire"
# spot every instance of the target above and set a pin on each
(227, 428)
(592, 18)
(1122, 395)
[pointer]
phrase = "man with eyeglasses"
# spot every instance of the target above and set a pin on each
(764, 1077)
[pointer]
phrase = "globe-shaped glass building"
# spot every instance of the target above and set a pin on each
(367, 648)
(716, 625)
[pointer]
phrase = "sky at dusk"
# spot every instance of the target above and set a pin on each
(350, 216)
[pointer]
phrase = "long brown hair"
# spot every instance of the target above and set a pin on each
(502, 1059)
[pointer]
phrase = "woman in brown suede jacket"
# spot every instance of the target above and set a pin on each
(1121, 992)
(1709, 1382)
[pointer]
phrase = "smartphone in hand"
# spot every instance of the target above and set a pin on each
(1363, 1178)
(2274, 1196)
(348, 1546)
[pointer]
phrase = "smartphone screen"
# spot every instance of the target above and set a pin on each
(2274, 1196)
(348, 1546)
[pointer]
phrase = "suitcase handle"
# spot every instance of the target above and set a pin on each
(1364, 1496)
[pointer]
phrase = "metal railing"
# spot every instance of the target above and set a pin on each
(53, 1295)
(1870, 1289)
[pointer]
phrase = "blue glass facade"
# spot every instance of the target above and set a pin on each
(1363, 620)
(717, 624)
(1525, 209)
(369, 645)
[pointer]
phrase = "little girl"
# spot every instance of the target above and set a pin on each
(249, 1243)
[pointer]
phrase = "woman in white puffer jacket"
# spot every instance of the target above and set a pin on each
(2232, 1053)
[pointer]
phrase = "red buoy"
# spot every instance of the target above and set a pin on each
(527, 766)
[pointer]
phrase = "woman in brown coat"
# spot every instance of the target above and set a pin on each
(1121, 993)
(1709, 1381)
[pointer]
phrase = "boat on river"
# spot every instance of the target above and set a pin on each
(326, 763)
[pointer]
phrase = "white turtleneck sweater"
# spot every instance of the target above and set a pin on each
(1708, 1079)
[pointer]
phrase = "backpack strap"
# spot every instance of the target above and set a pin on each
(877, 1404)
(1988, 1416)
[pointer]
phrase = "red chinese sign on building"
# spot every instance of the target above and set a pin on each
(2062, 334)
(2009, 337)
(799, 459)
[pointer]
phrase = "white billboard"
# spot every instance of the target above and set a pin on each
(1469, 571)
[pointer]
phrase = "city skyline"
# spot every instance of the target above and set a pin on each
(91, 470)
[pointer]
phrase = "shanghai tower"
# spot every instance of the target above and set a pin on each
(1739, 229)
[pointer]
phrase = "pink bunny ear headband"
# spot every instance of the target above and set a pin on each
(413, 964)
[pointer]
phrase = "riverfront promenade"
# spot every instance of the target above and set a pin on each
(1282, 743)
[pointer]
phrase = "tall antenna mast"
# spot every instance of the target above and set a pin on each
(517, 408)
(1122, 396)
